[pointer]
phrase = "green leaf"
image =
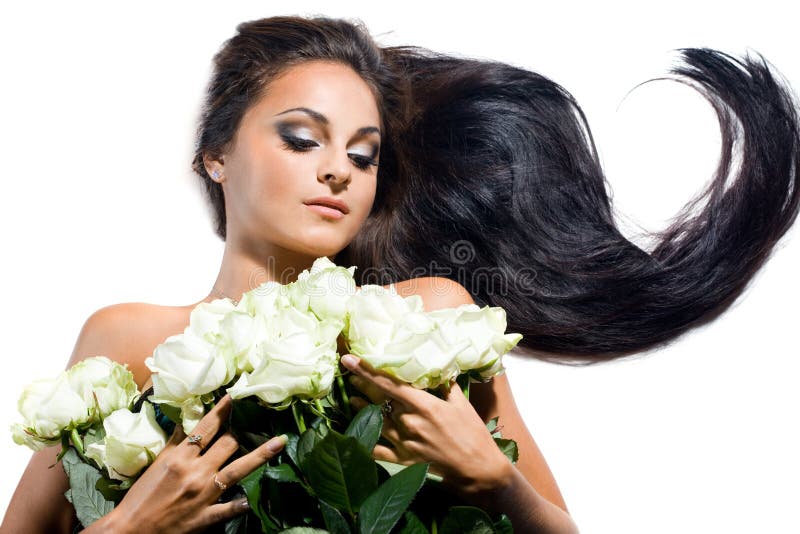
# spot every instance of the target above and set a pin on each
(467, 520)
(492, 424)
(173, 413)
(381, 510)
(334, 521)
(413, 525)
(366, 426)
(292, 440)
(112, 490)
(281, 473)
(289, 504)
(393, 468)
(252, 488)
(309, 440)
(237, 525)
(341, 472)
(248, 424)
(89, 503)
(509, 448)
(503, 525)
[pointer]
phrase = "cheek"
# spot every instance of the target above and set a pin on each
(366, 196)
(277, 178)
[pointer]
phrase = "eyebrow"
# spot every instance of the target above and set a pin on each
(322, 119)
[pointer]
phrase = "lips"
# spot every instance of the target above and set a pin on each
(328, 202)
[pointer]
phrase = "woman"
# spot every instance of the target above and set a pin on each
(575, 296)
(296, 116)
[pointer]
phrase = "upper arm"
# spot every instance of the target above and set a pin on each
(38, 504)
(494, 398)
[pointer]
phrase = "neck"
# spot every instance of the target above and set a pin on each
(244, 268)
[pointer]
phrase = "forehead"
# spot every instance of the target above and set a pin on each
(333, 89)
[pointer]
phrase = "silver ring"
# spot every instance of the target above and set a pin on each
(195, 439)
(386, 407)
(220, 484)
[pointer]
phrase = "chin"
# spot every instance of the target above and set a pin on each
(319, 247)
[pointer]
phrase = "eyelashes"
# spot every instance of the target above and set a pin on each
(295, 144)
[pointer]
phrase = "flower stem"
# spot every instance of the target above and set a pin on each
(345, 397)
(64, 445)
(298, 418)
(78, 443)
(321, 408)
(463, 383)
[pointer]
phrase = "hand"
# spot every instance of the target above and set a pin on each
(179, 491)
(447, 432)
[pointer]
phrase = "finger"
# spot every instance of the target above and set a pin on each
(358, 403)
(211, 422)
(454, 394)
(382, 452)
(222, 511)
(390, 431)
(369, 389)
(178, 435)
(398, 408)
(241, 467)
(221, 450)
(385, 383)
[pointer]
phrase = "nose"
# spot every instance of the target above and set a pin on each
(335, 170)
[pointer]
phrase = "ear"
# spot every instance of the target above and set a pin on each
(215, 167)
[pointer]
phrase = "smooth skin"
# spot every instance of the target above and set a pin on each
(282, 156)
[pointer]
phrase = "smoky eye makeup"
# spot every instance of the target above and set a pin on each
(298, 138)
(365, 162)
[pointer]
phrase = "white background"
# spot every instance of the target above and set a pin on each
(97, 110)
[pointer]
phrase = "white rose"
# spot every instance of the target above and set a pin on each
(25, 436)
(394, 334)
(240, 335)
(324, 290)
(192, 410)
(372, 314)
(265, 300)
(484, 328)
(103, 384)
(205, 317)
(416, 353)
(49, 407)
(186, 366)
(132, 441)
(299, 361)
(242, 330)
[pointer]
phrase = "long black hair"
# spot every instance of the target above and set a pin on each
(489, 176)
(506, 195)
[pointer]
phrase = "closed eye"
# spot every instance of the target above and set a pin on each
(297, 144)
(363, 162)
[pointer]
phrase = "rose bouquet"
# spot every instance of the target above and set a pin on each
(108, 432)
(276, 352)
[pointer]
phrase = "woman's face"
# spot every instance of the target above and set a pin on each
(315, 133)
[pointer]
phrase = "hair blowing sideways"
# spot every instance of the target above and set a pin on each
(501, 160)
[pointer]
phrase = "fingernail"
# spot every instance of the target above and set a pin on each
(244, 504)
(277, 443)
(350, 361)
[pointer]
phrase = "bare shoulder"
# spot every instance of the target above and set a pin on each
(127, 333)
(437, 292)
